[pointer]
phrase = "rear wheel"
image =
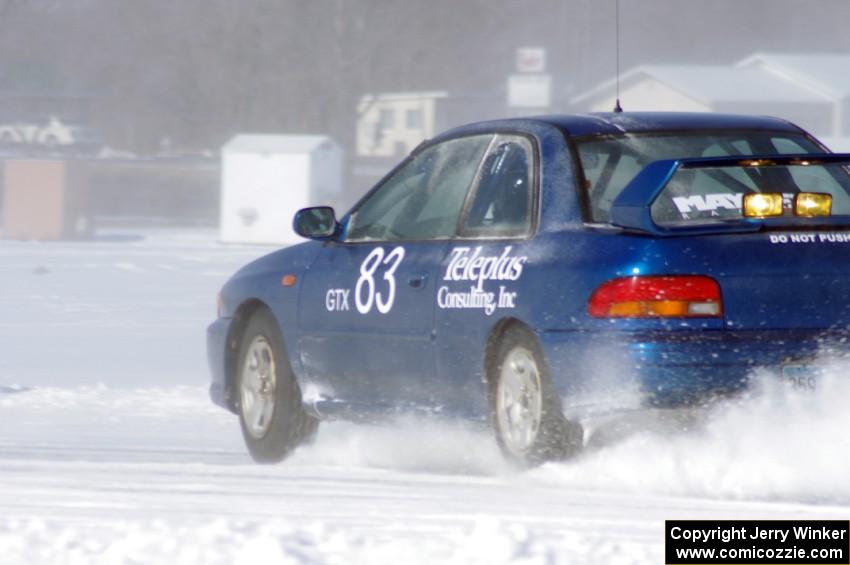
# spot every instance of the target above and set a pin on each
(271, 414)
(525, 410)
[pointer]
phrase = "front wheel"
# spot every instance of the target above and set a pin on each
(525, 410)
(271, 414)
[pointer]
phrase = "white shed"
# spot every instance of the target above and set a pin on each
(265, 179)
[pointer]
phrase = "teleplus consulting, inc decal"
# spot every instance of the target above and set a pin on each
(474, 266)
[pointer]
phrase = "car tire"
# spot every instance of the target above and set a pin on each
(269, 403)
(525, 410)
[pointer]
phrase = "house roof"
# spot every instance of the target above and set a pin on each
(253, 143)
(828, 73)
(712, 83)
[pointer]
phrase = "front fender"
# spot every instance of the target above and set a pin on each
(261, 283)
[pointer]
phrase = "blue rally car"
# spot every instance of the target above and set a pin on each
(535, 272)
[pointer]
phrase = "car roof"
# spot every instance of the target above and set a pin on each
(637, 122)
(640, 122)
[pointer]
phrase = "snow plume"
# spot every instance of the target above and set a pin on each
(776, 443)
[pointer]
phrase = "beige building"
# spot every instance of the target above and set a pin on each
(393, 124)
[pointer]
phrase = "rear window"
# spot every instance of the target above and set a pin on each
(705, 195)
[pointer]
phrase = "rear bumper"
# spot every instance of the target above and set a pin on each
(674, 369)
(217, 359)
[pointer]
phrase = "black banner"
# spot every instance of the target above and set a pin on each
(757, 542)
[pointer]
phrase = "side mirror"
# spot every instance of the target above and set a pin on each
(316, 223)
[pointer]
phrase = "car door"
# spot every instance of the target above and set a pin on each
(481, 277)
(366, 310)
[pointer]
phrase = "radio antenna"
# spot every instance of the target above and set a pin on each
(617, 108)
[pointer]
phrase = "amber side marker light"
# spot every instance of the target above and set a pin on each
(288, 280)
(762, 205)
(812, 204)
(678, 296)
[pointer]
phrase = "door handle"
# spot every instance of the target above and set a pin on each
(418, 281)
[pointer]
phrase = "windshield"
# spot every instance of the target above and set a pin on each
(716, 194)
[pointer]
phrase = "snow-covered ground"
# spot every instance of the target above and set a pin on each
(110, 451)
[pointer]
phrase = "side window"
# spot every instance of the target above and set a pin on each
(423, 199)
(503, 200)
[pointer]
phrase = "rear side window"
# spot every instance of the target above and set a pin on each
(501, 204)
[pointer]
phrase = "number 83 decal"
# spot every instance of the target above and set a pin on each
(367, 292)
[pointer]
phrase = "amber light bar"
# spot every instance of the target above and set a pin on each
(770, 204)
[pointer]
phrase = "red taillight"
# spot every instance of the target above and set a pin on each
(657, 297)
